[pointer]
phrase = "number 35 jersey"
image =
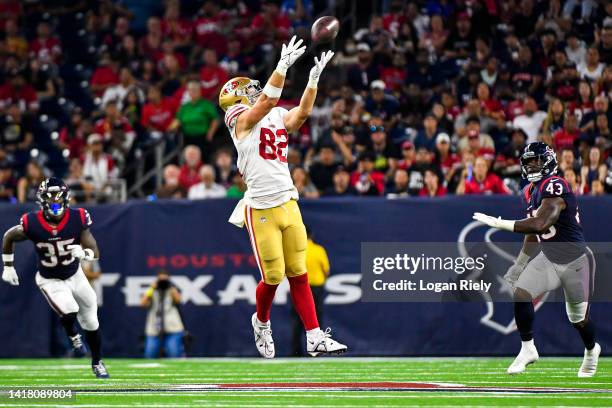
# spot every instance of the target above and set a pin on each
(51, 241)
(262, 155)
(564, 241)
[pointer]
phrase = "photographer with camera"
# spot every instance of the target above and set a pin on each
(164, 326)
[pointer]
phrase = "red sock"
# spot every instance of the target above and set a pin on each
(303, 301)
(264, 295)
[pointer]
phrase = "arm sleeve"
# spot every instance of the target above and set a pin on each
(86, 220)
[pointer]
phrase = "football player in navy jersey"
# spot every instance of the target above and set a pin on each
(559, 260)
(62, 239)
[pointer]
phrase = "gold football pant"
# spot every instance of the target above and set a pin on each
(278, 238)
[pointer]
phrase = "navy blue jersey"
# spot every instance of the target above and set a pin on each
(564, 241)
(52, 241)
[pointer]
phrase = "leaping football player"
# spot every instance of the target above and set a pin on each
(62, 239)
(259, 131)
(553, 221)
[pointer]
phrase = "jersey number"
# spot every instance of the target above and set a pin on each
(54, 251)
(270, 148)
(554, 188)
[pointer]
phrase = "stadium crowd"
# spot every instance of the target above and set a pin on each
(428, 98)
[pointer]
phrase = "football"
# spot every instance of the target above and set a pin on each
(325, 29)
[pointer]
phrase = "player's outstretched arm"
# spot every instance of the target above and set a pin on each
(546, 216)
(14, 234)
(88, 242)
(298, 115)
(273, 89)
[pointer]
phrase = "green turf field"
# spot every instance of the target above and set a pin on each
(332, 382)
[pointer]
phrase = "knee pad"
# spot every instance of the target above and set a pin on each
(576, 311)
(273, 271)
(88, 319)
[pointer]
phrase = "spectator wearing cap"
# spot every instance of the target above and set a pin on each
(433, 187)
(341, 184)
(426, 136)
(366, 180)
(212, 76)
(399, 187)
(8, 184)
(531, 120)
(360, 75)
(591, 69)
(198, 120)
(322, 171)
(98, 167)
(478, 180)
(473, 131)
(17, 90)
(381, 104)
(206, 188)
(190, 170)
(385, 152)
(445, 159)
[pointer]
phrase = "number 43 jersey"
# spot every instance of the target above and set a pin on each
(51, 241)
(564, 241)
(262, 155)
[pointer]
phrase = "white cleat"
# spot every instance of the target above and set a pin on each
(320, 343)
(589, 363)
(263, 337)
(527, 355)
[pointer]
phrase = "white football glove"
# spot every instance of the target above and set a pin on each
(79, 253)
(494, 222)
(315, 72)
(289, 54)
(517, 268)
(9, 275)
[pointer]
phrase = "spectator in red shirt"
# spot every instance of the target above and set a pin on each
(105, 75)
(16, 90)
(117, 131)
(432, 187)
(568, 134)
(74, 135)
(395, 75)
(150, 44)
(445, 159)
(45, 48)
(212, 76)
(175, 28)
(190, 170)
(208, 28)
(481, 181)
(157, 113)
(269, 25)
(365, 179)
(490, 107)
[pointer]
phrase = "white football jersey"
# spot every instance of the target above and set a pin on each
(262, 157)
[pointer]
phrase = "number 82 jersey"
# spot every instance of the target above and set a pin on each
(262, 155)
(564, 241)
(51, 241)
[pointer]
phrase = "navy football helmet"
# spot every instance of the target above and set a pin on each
(538, 161)
(53, 197)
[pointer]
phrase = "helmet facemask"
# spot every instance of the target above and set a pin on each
(536, 167)
(53, 200)
(251, 91)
